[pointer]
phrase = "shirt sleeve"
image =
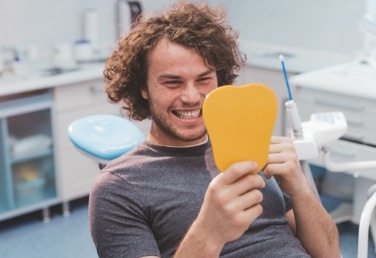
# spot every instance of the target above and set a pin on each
(118, 220)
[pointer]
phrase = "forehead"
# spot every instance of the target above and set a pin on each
(168, 55)
(166, 46)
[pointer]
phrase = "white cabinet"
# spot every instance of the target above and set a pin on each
(76, 172)
(360, 112)
(28, 177)
(39, 166)
(273, 79)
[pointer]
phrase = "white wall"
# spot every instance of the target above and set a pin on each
(320, 24)
(44, 23)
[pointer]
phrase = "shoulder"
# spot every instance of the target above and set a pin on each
(105, 184)
(126, 163)
(120, 173)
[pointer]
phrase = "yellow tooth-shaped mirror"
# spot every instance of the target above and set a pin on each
(240, 121)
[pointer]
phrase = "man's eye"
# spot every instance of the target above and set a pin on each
(173, 83)
(204, 80)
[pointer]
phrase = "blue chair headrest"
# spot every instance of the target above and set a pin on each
(104, 136)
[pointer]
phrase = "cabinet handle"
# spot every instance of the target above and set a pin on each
(340, 104)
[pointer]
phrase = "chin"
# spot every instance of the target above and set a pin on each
(193, 138)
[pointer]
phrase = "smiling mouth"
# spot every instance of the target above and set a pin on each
(188, 114)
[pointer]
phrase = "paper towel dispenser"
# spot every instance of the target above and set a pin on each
(127, 15)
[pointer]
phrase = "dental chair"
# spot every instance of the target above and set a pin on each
(104, 137)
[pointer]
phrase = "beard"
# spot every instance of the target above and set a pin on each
(163, 123)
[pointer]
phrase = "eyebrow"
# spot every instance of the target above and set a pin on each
(171, 76)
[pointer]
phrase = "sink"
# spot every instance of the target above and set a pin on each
(81, 66)
(276, 54)
(56, 71)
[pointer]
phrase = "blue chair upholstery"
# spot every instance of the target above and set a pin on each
(104, 137)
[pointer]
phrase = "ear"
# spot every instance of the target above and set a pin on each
(144, 94)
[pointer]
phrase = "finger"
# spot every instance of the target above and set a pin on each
(282, 149)
(238, 170)
(280, 157)
(275, 168)
(247, 183)
(266, 173)
(279, 169)
(250, 198)
(281, 141)
(247, 207)
(270, 170)
(245, 201)
(278, 139)
(276, 148)
(243, 220)
(252, 213)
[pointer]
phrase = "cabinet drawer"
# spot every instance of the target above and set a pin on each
(344, 151)
(336, 100)
(80, 94)
(360, 113)
(361, 127)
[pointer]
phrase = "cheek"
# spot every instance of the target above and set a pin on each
(210, 89)
(160, 99)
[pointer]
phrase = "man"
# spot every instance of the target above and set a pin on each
(166, 198)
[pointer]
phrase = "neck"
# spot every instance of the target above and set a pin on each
(178, 144)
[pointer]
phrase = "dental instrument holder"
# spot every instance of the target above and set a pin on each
(315, 136)
(299, 142)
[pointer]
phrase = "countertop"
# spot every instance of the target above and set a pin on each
(260, 54)
(297, 59)
(12, 84)
(353, 79)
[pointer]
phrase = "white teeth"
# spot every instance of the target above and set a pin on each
(188, 114)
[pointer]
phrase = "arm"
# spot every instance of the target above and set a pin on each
(117, 224)
(291, 220)
(231, 204)
(309, 220)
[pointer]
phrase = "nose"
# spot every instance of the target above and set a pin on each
(190, 94)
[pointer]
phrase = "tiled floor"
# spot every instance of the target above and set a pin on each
(63, 237)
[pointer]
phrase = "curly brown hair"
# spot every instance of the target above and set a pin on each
(199, 27)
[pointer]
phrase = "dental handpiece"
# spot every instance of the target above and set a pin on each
(291, 108)
(295, 122)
